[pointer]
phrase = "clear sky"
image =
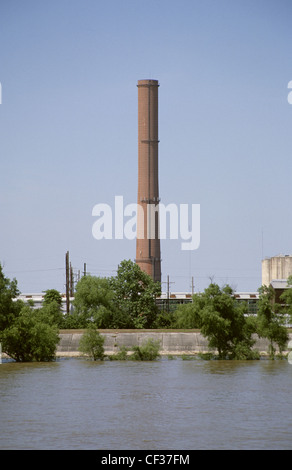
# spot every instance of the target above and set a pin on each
(68, 132)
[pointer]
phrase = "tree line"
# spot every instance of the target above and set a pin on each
(128, 300)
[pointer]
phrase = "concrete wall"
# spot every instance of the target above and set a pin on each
(171, 342)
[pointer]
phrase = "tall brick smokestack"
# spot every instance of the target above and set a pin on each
(148, 255)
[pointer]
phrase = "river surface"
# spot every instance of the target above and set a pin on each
(166, 404)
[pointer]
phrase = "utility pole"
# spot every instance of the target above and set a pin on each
(71, 282)
(168, 294)
(84, 270)
(192, 285)
(67, 283)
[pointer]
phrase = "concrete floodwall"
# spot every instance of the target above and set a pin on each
(171, 342)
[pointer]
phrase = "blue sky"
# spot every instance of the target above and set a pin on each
(68, 132)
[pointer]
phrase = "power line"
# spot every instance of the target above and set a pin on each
(35, 270)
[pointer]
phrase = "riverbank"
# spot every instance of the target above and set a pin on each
(172, 342)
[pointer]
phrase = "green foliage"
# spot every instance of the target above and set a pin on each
(121, 355)
(26, 334)
(52, 308)
(9, 308)
(52, 295)
(96, 303)
(188, 315)
(164, 319)
(206, 356)
(223, 322)
(243, 351)
(127, 300)
(91, 343)
(286, 298)
(52, 314)
(148, 351)
(270, 320)
(135, 294)
(188, 357)
(29, 338)
(73, 321)
(221, 319)
(92, 299)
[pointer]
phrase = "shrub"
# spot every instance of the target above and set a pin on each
(122, 355)
(29, 338)
(91, 343)
(148, 351)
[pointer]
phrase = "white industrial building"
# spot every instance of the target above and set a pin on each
(276, 268)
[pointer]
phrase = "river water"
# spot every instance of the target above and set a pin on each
(166, 404)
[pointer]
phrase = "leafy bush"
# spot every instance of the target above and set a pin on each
(121, 355)
(91, 343)
(271, 321)
(148, 351)
(29, 338)
(243, 351)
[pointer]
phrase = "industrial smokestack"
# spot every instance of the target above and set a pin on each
(148, 255)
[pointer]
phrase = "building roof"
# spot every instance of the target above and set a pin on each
(279, 283)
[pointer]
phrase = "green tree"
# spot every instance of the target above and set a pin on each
(286, 298)
(135, 294)
(73, 321)
(9, 307)
(270, 320)
(189, 315)
(52, 308)
(223, 322)
(164, 319)
(52, 295)
(51, 314)
(91, 343)
(25, 332)
(94, 303)
(29, 338)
